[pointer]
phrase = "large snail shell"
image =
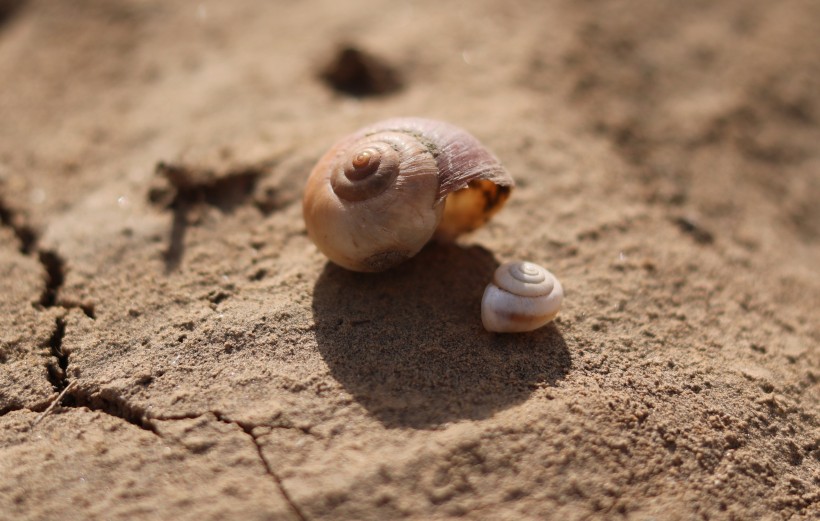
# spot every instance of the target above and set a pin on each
(522, 297)
(379, 195)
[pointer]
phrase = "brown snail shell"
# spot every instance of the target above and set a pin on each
(379, 195)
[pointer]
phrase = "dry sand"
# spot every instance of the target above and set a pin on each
(153, 256)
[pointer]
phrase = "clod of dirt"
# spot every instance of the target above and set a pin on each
(8, 9)
(181, 187)
(358, 73)
(194, 184)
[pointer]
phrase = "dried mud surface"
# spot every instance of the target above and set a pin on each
(155, 269)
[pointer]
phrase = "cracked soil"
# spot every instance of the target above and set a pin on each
(172, 346)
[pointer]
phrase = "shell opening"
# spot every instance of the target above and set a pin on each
(471, 207)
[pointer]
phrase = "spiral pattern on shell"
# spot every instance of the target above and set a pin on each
(378, 196)
(523, 296)
(367, 170)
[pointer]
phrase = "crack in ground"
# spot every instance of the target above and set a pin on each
(55, 276)
(112, 404)
(109, 402)
(54, 266)
(248, 429)
(223, 419)
(38, 407)
(106, 401)
(24, 233)
(56, 369)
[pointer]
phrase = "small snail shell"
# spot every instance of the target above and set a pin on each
(379, 195)
(522, 297)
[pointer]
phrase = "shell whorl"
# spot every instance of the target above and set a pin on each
(523, 296)
(525, 279)
(368, 168)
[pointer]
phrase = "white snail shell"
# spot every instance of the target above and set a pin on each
(379, 195)
(523, 296)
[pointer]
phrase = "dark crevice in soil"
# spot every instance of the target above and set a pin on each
(55, 276)
(110, 403)
(10, 408)
(38, 407)
(24, 233)
(107, 402)
(248, 429)
(54, 266)
(57, 367)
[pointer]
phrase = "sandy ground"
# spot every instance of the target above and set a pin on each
(218, 367)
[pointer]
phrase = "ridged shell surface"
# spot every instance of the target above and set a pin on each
(523, 296)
